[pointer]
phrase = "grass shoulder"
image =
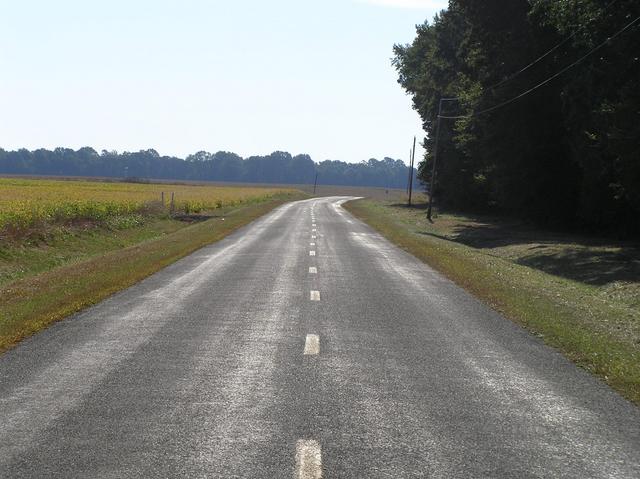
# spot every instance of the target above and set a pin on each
(581, 295)
(46, 280)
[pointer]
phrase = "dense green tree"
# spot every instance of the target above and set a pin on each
(564, 151)
(601, 104)
(277, 167)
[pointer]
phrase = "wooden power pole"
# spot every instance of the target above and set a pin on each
(413, 156)
(410, 173)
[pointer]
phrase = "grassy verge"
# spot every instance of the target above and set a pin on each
(581, 296)
(52, 282)
(64, 245)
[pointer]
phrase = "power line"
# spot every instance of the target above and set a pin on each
(541, 57)
(542, 83)
(534, 62)
(495, 107)
(544, 55)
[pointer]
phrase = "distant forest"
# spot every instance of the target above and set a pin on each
(278, 167)
(541, 110)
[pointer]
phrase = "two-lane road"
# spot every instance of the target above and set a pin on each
(303, 344)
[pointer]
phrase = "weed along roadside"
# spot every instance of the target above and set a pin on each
(592, 318)
(71, 273)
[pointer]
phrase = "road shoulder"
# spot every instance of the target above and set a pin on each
(30, 304)
(544, 304)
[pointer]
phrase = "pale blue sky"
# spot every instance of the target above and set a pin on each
(249, 76)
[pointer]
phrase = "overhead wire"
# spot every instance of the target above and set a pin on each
(534, 62)
(543, 56)
(544, 82)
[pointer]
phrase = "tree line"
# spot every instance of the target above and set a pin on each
(542, 112)
(277, 167)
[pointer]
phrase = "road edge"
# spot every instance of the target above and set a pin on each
(603, 357)
(31, 304)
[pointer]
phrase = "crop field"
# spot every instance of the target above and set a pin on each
(26, 203)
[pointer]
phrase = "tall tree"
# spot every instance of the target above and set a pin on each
(566, 149)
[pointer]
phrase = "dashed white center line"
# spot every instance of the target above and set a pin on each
(313, 230)
(312, 345)
(313, 236)
(313, 224)
(312, 253)
(313, 270)
(308, 459)
(314, 295)
(312, 244)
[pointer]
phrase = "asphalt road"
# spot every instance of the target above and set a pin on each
(241, 360)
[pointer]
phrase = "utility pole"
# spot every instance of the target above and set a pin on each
(432, 184)
(413, 157)
(315, 182)
(409, 177)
